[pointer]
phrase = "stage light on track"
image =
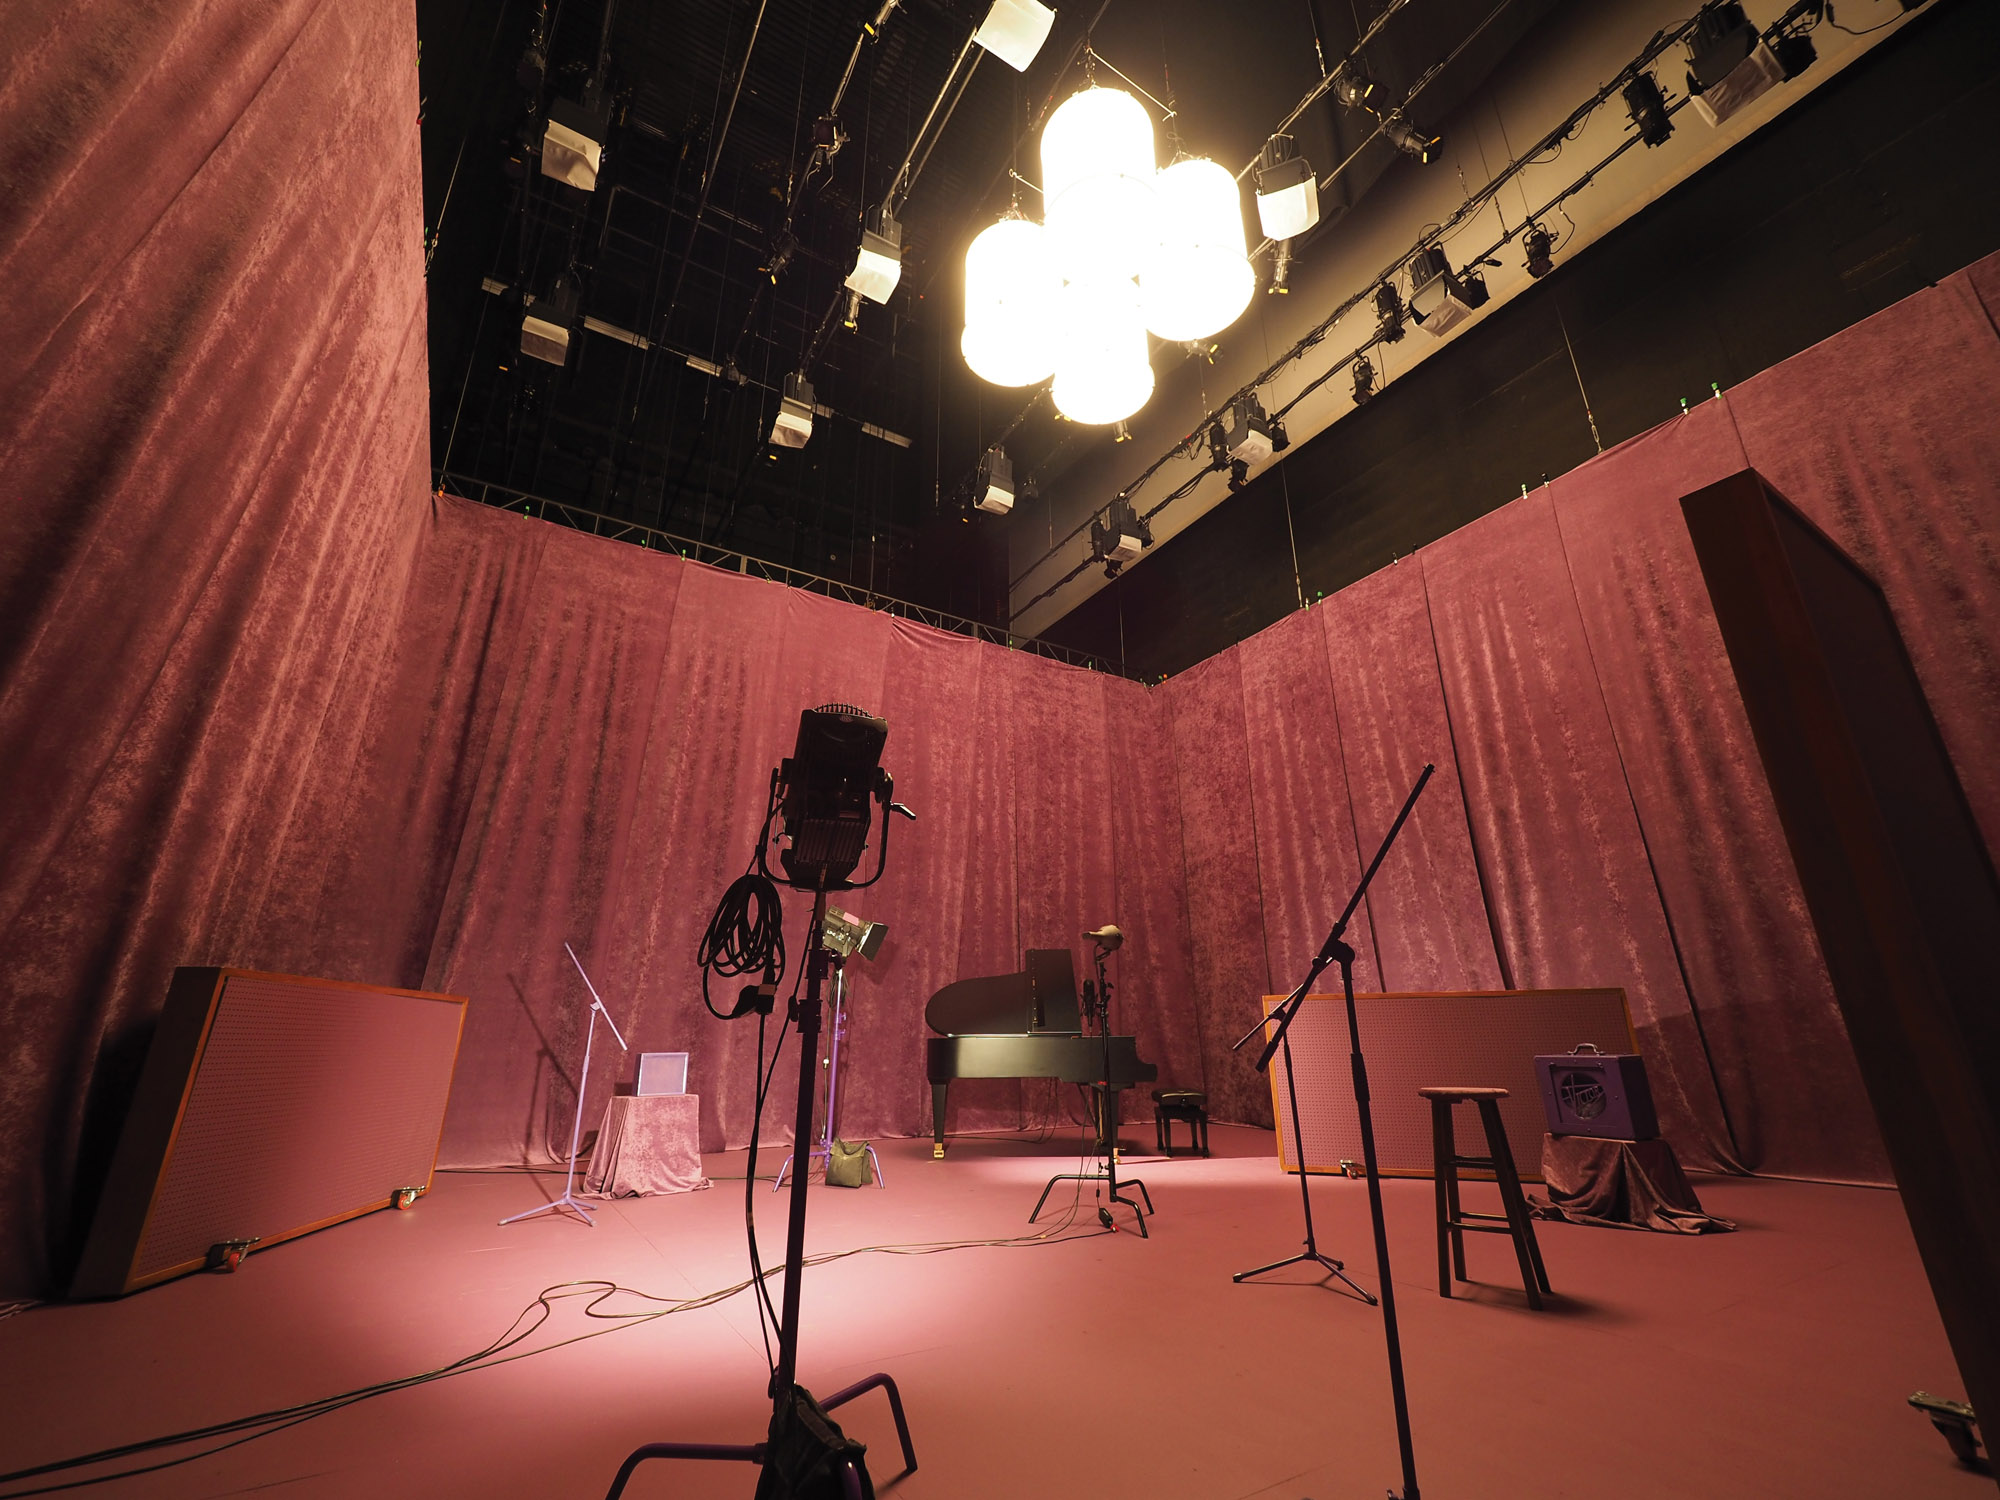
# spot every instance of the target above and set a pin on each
(794, 423)
(878, 264)
(1287, 190)
(1014, 31)
(1728, 64)
(1352, 86)
(1407, 138)
(1364, 380)
(1119, 538)
(1388, 313)
(1539, 244)
(1794, 52)
(1648, 108)
(1281, 271)
(1249, 434)
(1441, 299)
(573, 140)
(996, 483)
(546, 324)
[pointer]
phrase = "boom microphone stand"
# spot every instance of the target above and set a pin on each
(568, 1198)
(1312, 1251)
(1337, 951)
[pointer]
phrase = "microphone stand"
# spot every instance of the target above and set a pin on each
(1107, 1124)
(568, 1198)
(1335, 950)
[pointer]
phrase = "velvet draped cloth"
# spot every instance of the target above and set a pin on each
(265, 701)
(1620, 1185)
(646, 1144)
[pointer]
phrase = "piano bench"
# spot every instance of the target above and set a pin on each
(1188, 1105)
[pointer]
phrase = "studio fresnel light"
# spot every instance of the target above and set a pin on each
(1648, 108)
(1125, 249)
(996, 483)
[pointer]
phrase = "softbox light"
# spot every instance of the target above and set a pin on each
(546, 323)
(573, 143)
(1014, 31)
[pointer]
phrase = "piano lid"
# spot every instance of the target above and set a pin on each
(1041, 998)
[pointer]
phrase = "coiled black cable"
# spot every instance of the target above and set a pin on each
(745, 936)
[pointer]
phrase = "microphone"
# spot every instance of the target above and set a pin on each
(1107, 937)
(897, 807)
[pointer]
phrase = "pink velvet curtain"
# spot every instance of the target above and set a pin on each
(264, 701)
(212, 419)
(1601, 816)
(580, 742)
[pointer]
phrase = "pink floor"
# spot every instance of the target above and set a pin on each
(1774, 1361)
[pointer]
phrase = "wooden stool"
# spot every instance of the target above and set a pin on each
(1188, 1105)
(1453, 1221)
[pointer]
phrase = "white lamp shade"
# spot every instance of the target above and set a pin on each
(1104, 370)
(1010, 300)
(1014, 31)
(1197, 280)
(1289, 208)
(1097, 184)
(1095, 132)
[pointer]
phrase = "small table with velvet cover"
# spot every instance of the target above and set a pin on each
(1621, 1185)
(647, 1143)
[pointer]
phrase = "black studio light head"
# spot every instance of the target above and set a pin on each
(833, 775)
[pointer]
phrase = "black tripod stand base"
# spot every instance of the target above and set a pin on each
(1116, 1196)
(1313, 1257)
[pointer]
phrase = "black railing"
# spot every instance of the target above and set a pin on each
(618, 529)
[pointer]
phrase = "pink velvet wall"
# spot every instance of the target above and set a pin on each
(1601, 816)
(212, 419)
(264, 701)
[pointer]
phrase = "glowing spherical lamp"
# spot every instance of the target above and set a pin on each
(1010, 297)
(1098, 184)
(1104, 372)
(1196, 280)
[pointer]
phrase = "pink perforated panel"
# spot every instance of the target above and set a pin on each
(1485, 1040)
(311, 1102)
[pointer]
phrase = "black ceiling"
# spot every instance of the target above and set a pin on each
(640, 433)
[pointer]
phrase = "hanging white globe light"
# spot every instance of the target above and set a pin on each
(1197, 280)
(1010, 304)
(1097, 184)
(1104, 371)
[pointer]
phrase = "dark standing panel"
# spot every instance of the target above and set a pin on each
(1900, 885)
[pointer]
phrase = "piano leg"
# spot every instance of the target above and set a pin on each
(940, 1092)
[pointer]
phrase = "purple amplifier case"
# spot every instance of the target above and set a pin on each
(1587, 1092)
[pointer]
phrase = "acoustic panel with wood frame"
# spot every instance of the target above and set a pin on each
(1480, 1038)
(269, 1106)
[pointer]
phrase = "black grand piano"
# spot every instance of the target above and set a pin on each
(1024, 1025)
